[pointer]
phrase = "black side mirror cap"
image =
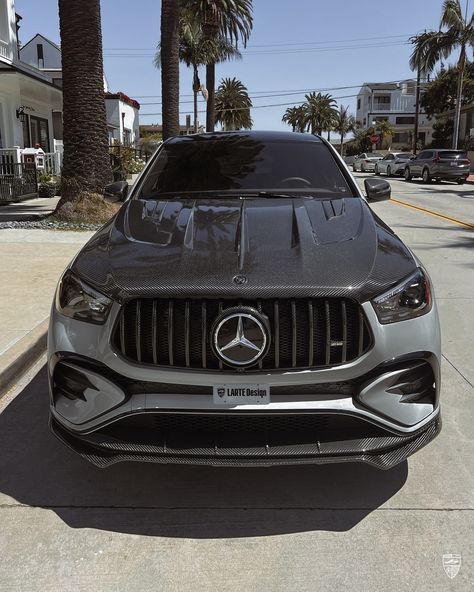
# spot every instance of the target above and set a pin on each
(377, 189)
(116, 191)
(413, 157)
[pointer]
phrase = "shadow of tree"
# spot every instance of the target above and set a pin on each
(178, 501)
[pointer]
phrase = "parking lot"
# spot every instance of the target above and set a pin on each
(69, 526)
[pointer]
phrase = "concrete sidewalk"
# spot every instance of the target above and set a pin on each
(28, 209)
(32, 261)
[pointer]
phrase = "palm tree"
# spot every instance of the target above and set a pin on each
(229, 18)
(169, 66)
(344, 123)
(195, 50)
(320, 112)
(86, 164)
(233, 105)
(385, 129)
(432, 46)
(291, 117)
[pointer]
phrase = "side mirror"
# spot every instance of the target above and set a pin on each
(116, 191)
(377, 189)
(413, 157)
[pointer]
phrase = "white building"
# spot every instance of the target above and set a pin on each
(395, 103)
(122, 119)
(28, 98)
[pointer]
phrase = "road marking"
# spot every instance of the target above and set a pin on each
(432, 213)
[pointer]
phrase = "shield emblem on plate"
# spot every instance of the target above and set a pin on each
(451, 564)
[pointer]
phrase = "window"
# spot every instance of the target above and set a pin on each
(381, 118)
(26, 131)
(40, 55)
(127, 137)
(39, 132)
(401, 138)
(358, 104)
(405, 120)
(382, 100)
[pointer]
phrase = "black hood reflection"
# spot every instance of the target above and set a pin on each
(286, 247)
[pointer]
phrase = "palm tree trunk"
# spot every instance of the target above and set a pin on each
(457, 115)
(169, 67)
(195, 91)
(211, 99)
(342, 144)
(417, 110)
(86, 163)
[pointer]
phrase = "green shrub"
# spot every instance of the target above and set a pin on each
(47, 190)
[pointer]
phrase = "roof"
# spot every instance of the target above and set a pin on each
(263, 135)
(44, 39)
(124, 98)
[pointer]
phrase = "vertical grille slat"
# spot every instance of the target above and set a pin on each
(170, 332)
(304, 332)
(293, 333)
(344, 331)
(154, 332)
(138, 325)
(204, 333)
(311, 334)
(276, 329)
(327, 314)
(186, 334)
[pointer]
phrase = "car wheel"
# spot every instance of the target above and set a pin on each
(426, 176)
(376, 170)
(407, 174)
(389, 171)
(461, 181)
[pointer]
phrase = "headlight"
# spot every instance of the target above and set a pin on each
(410, 299)
(77, 300)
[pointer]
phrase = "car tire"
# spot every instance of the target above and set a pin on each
(389, 171)
(407, 174)
(425, 175)
(376, 170)
(461, 181)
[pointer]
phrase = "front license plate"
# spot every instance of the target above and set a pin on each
(241, 394)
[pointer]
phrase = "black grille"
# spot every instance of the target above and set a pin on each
(305, 333)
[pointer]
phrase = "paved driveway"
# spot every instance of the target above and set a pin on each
(65, 525)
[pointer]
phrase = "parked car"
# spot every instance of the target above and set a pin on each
(393, 163)
(445, 164)
(245, 306)
(365, 162)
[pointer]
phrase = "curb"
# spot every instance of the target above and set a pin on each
(18, 358)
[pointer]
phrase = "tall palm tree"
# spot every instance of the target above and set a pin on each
(320, 112)
(169, 66)
(86, 164)
(431, 46)
(233, 105)
(229, 18)
(344, 123)
(291, 117)
(195, 50)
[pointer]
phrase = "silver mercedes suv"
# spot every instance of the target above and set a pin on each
(245, 306)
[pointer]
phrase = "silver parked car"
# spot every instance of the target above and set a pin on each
(245, 306)
(448, 165)
(393, 163)
(365, 162)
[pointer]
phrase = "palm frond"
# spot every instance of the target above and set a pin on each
(451, 15)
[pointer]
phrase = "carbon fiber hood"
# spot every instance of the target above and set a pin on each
(285, 247)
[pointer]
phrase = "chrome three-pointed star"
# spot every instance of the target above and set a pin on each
(240, 339)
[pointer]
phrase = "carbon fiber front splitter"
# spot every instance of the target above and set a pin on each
(381, 452)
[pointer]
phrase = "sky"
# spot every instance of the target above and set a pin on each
(296, 46)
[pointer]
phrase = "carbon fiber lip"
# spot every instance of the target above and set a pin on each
(382, 452)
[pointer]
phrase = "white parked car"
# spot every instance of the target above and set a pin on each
(366, 161)
(393, 163)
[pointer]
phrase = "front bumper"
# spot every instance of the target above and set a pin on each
(385, 425)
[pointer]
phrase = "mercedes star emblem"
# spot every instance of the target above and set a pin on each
(240, 336)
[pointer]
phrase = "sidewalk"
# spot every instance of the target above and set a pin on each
(32, 261)
(28, 209)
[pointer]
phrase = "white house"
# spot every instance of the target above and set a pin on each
(122, 119)
(28, 97)
(393, 102)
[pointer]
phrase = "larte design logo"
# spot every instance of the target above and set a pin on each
(452, 564)
(221, 392)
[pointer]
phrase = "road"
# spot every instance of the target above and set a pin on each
(65, 525)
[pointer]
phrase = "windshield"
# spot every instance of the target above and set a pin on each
(242, 164)
(404, 156)
(453, 154)
(375, 155)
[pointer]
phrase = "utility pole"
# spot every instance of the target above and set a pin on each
(417, 109)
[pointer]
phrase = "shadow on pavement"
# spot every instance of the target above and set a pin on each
(177, 501)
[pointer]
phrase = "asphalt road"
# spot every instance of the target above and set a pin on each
(65, 525)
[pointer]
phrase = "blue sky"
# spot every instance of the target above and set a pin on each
(295, 45)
